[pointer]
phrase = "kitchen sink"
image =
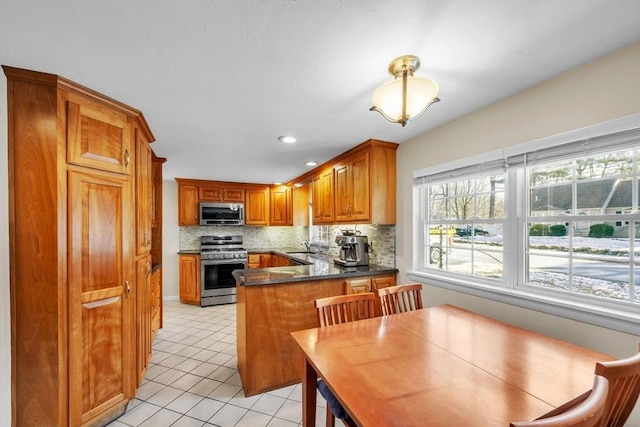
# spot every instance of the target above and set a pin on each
(302, 252)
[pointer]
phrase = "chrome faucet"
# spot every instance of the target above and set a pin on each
(307, 245)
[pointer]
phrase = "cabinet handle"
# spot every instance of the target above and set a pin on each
(127, 157)
(128, 287)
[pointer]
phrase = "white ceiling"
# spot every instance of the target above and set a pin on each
(219, 81)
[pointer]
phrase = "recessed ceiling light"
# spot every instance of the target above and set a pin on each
(277, 183)
(297, 184)
(287, 139)
(311, 163)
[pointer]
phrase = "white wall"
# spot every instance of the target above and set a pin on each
(170, 239)
(605, 89)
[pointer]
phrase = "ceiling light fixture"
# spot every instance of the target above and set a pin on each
(287, 139)
(311, 163)
(406, 97)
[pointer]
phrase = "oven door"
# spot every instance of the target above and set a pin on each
(218, 286)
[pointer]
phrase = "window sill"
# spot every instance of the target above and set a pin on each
(623, 320)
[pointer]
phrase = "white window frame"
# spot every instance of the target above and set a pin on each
(621, 316)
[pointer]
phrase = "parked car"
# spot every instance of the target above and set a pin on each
(469, 230)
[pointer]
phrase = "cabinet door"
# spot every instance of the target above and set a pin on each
(188, 205)
(280, 206)
(359, 186)
(343, 195)
(101, 328)
(253, 261)
(156, 303)
(210, 193)
(97, 137)
(357, 286)
(233, 194)
(265, 261)
(352, 189)
(323, 197)
(190, 279)
(300, 209)
(256, 206)
(143, 317)
(143, 193)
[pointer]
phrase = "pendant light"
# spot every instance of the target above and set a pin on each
(406, 97)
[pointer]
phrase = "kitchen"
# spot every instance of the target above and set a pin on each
(504, 123)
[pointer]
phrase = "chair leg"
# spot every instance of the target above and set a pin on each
(331, 419)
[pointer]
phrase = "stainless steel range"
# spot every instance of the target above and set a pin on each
(219, 256)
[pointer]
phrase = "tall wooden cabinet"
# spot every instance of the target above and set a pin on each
(73, 244)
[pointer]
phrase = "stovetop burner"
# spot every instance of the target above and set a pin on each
(222, 247)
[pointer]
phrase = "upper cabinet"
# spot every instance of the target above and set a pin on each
(280, 206)
(187, 204)
(144, 192)
(323, 197)
(256, 208)
(357, 187)
(97, 136)
(219, 193)
(352, 189)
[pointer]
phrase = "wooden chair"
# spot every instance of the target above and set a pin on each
(333, 311)
(588, 413)
(344, 308)
(398, 299)
(624, 388)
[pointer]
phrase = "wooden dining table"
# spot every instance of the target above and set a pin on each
(441, 366)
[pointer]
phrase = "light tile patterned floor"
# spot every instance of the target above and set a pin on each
(193, 379)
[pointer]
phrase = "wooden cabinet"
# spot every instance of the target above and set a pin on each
(266, 315)
(259, 260)
(189, 279)
(98, 136)
(220, 193)
(156, 302)
(101, 305)
(280, 205)
(357, 286)
(256, 207)
(73, 254)
(323, 197)
(188, 205)
(144, 194)
(352, 189)
(301, 201)
(143, 316)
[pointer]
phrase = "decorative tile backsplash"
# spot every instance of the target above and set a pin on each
(382, 238)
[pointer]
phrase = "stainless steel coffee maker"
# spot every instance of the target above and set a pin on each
(354, 250)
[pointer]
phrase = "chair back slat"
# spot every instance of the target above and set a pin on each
(624, 388)
(398, 299)
(345, 308)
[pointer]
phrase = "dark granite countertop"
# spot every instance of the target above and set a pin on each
(319, 267)
(189, 252)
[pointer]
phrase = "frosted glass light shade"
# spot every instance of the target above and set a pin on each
(421, 92)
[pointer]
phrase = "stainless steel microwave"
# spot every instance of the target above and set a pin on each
(221, 213)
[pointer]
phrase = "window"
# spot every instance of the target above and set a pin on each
(555, 220)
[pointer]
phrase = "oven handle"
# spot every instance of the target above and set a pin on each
(223, 261)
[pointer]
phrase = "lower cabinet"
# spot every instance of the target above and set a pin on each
(156, 302)
(143, 317)
(268, 358)
(363, 285)
(189, 279)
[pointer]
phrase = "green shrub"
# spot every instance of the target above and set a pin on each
(538, 230)
(600, 230)
(558, 230)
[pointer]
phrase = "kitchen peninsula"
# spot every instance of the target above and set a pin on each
(274, 301)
